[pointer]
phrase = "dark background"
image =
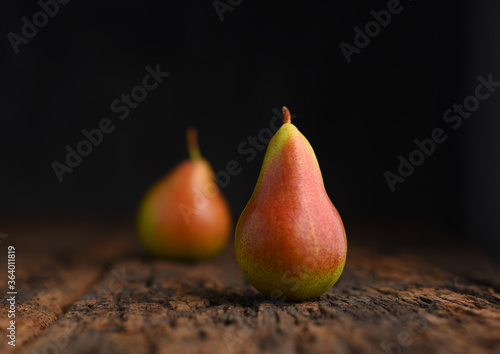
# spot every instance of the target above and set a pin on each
(226, 77)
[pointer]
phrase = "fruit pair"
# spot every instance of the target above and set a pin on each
(290, 241)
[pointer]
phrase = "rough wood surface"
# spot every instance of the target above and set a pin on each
(406, 296)
(56, 263)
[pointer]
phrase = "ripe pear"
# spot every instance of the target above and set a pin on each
(184, 216)
(290, 241)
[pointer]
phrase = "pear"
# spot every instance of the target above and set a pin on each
(184, 216)
(290, 241)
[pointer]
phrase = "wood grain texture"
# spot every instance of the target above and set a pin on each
(411, 297)
(56, 263)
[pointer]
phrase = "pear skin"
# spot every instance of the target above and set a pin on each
(290, 241)
(184, 216)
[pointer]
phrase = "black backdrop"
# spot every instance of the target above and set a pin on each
(227, 78)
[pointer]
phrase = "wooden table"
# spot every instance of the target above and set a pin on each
(85, 286)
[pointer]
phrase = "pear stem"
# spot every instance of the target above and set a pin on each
(192, 142)
(287, 118)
